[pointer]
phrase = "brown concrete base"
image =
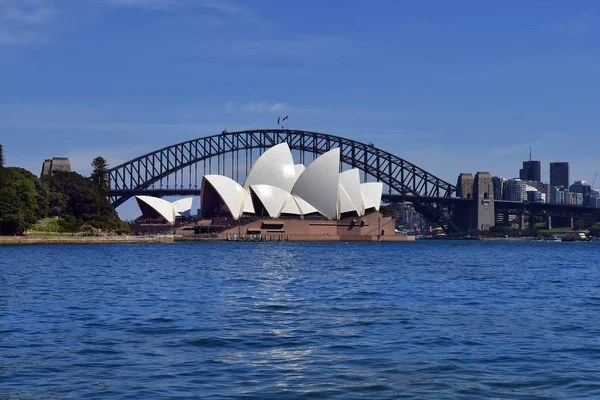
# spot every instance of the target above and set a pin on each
(372, 227)
(297, 238)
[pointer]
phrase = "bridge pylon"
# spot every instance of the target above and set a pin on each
(478, 213)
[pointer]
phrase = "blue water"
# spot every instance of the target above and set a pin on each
(443, 320)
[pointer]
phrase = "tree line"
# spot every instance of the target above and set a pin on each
(79, 202)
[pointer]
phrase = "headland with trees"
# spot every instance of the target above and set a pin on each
(63, 202)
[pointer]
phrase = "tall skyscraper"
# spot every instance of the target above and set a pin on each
(559, 174)
(531, 171)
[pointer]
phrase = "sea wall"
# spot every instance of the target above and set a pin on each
(9, 240)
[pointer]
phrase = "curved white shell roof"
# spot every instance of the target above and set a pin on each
(290, 206)
(371, 194)
(296, 206)
(346, 204)
(350, 182)
(271, 197)
(299, 168)
(274, 167)
(248, 206)
(284, 187)
(231, 192)
(163, 207)
(303, 206)
(183, 207)
(319, 184)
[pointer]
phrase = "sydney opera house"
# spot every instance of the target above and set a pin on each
(280, 200)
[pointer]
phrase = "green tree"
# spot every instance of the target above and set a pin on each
(531, 231)
(79, 197)
(12, 220)
(1, 156)
(41, 189)
(99, 175)
(585, 221)
(19, 201)
(595, 231)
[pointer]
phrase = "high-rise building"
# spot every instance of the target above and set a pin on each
(559, 174)
(584, 189)
(499, 183)
(576, 199)
(543, 188)
(559, 195)
(515, 190)
(531, 171)
(594, 198)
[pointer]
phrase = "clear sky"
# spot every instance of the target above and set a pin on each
(453, 86)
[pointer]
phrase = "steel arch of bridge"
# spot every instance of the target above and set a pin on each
(401, 176)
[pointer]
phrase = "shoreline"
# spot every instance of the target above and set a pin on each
(30, 240)
(163, 239)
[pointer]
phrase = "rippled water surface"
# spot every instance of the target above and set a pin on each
(289, 320)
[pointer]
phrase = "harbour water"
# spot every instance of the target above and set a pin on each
(443, 320)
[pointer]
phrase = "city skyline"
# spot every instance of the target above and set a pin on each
(450, 88)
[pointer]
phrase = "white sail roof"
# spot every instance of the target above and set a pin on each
(350, 182)
(163, 207)
(346, 204)
(371, 194)
(183, 207)
(291, 207)
(303, 206)
(319, 184)
(296, 206)
(231, 192)
(248, 205)
(275, 167)
(299, 168)
(272, 198)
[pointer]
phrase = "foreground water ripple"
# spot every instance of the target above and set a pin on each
(453, 320)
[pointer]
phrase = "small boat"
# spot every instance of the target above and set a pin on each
(576, 237)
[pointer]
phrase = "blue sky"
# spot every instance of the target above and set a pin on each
(454, 87)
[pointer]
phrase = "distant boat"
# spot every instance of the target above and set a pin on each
(576, 237)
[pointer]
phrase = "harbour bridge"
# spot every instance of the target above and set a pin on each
(178, 169)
